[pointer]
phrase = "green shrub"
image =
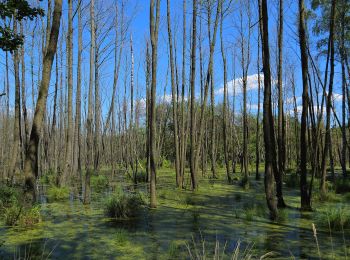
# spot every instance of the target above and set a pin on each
(336, 218)
(330, 196)
(17, 215)
(123, 206)
(165, 163)
(30, 217)
(49, 178)
(12, 214)
(141, 176)
(8, 196)
(99, 183)
(57, 193)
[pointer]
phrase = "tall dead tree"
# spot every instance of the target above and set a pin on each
(224, 106)
(89, 120)
(154, 28)
(69, 132)
(174, 95)
(77, 131)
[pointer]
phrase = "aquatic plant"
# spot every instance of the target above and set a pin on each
(199, 251)
(8, 196)
(99, 183)
(334, 218)
(57, 193)
(330, 196)
(123, 205)
(18, 215)
(121, 236)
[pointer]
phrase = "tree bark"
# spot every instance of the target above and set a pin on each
(31, 162)
(154, 28)
(268, 124)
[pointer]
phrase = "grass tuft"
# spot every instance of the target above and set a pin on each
(57, 194)
(99, 183)
(335, 218)
(124, 205)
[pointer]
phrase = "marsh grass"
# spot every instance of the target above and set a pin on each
(122, 205)
(18, 215)
(8, 196)
(99, 183)
(334, 218)
(121, 236)
(250, 211)
(201, 250)
(57, 194)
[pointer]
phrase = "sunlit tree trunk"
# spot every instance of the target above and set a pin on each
(31, 161)
(154, 27)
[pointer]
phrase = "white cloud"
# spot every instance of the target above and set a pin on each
(252, 84)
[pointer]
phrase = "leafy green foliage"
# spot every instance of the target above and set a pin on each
(20, 9)
(99, 183)
(17, 215)
(57, 193)
(8, 196)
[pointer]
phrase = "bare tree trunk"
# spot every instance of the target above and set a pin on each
(257, 142)
(154, 28)
(269, 136)
(224, 107)
(17, 122)
(281, 123)
(89, 120)
(68, 155)
(77, 131)
(174, 97)
(305, 197)
(327, 146)
(24, 98)
(31, 162)
(183, 75)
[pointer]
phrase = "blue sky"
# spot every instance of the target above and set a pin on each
(138, 13)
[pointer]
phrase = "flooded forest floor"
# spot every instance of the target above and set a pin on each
(218, 215)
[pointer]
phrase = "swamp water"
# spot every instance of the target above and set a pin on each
(216, 212)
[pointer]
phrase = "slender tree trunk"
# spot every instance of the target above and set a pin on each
(257, 142)
(89, 120)
(224, 107)
(68, 155)
(77, 131)
(192, 85)
(17, 122)
(31, 162)
(269, 136)
(328, 145)
(281, 123)
(154, 28)
(174, 97)
(304, 193)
